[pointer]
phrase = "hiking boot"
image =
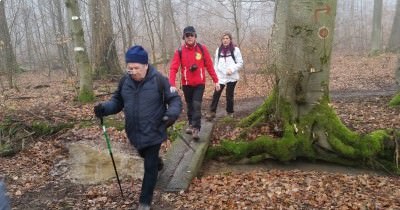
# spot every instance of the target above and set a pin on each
(210, 116)
(189, 129)
(230, 114)
(195, 134)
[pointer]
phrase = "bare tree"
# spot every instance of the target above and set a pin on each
(61, 38)
(6, 49)
(81, 57)
(148, 19)
(104, 52)
(394, 40)
(376, 37)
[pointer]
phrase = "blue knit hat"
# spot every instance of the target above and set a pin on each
(136, 54)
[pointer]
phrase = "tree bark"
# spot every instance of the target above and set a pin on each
(104, 52)
(81, 57)
(61, 38)
(298, 111)
(304, 35)
(395, 101)
(394, 40)
(148, 23)
(376, 37)
(6, 49)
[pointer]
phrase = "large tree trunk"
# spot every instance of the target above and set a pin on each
(6, 49)
(303, 39)
(61, 37)
(104, 52)
(81, 56)
(376, 37)
(298, 111)
(394, 40)
(396, 99)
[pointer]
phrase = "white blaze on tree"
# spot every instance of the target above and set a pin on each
(81, 56)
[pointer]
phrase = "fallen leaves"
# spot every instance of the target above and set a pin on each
(276, 189)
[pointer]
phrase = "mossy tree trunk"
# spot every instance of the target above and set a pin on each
(396, 99)
(304, 123)
(86, 93)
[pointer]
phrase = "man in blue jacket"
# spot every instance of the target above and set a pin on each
(149, 107)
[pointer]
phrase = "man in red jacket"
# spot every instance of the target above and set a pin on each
(193, 59)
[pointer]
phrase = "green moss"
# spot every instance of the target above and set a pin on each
(299, 138)
(44, 128)
(6, 150)
(174, 132)
(86, 95)
(116, 123)
(260, 114)
(395, 100)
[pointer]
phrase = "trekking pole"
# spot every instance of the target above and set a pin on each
(111, 154)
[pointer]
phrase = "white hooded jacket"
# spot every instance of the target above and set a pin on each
(224, 63)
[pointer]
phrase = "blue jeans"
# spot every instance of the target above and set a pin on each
(194, 97)
(151, 159)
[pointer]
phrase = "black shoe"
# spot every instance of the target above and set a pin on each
(160, 164)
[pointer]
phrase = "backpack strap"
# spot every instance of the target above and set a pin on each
(121, 82)
(232, 54)
(161, 88)
(201, 49)
(160, 84)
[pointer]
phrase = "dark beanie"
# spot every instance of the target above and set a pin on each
(136, 54)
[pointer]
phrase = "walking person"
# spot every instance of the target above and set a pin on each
(194, 60)
(227, 63)
(144, 95)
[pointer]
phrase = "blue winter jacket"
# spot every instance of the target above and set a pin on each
(144, 108)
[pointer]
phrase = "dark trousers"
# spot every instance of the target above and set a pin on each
(151, 159)
(193, 98)
(230, 92)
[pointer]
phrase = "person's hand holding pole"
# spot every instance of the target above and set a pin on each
(99, 112)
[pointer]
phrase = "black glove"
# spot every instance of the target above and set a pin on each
(168, 121)
(99, 110)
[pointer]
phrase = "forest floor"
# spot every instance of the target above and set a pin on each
(361, 88)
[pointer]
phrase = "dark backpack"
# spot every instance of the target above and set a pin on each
(159, 78)
(201, 49)
(232, 53)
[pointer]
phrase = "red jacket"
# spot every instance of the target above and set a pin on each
(192, 55)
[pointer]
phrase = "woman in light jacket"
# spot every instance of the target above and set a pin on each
(227, 63)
